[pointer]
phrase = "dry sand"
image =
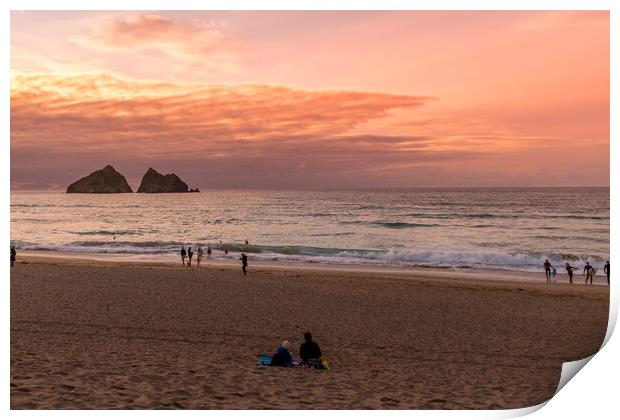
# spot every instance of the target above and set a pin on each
(92, 334)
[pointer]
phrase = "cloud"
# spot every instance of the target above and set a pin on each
(187, 46)
(152, 117)
(63, 127)
(82, 119)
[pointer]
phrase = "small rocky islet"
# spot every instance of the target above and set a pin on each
(103, 181)
(109, 181)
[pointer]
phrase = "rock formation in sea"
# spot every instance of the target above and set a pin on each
(106, 180)
(154, 182)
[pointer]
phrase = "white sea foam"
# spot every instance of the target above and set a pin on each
(391, 257)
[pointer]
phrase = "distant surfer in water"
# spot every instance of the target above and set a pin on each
(183, 255)
(244, 263)
(548, 267)
(589, 271)
(606, 270)
(569, 270)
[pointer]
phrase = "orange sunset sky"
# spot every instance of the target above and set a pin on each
(312, 99)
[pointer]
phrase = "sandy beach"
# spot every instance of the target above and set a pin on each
(97, 334)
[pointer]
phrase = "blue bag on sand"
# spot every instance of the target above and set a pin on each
(264, 360)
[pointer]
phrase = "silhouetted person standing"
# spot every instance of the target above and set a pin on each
(244, 263)
(190, 254)
(208, 251)
(569, 270)
(183, 255)
(607, 269)
(199, 256)
(548, 268)
(13, 255)
(588, 270)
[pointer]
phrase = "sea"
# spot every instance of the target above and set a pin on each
(506, 229)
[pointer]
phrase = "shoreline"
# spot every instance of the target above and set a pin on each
(168, 260)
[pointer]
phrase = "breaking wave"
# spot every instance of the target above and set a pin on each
(530, 261)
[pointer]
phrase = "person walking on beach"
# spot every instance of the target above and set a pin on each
(569, 270)
(606, 270)
(183, 255)
(244, 263)
(199, 256)
(190, 254)
(310, 352)
(208, 251)
(588, 270)
(548, 268)
(13, 255)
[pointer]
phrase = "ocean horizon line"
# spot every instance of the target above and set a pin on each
(205, 188)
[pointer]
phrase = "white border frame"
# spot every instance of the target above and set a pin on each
(592, 394)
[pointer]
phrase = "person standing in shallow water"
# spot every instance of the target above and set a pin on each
(606, 270)
(13, 255)
(183, 255)
(588, 270)
(199, 256)
(569, 270)
(244, 263)
(190, 254)
(547, 265)
(208, 251)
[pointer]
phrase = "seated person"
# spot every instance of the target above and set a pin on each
(282, 356)
(309, 351)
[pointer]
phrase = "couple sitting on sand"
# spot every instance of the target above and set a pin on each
(309, 352)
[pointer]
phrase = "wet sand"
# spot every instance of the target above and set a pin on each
(97, 334)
